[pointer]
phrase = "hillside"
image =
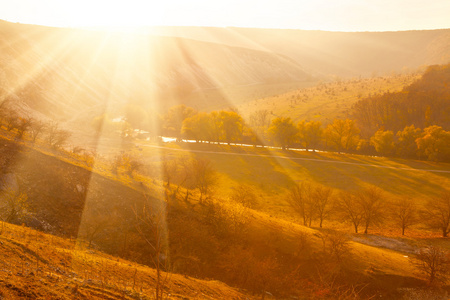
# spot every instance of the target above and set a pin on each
(35, 265)
(344, 54)
(67, 73)
(259, 249)
(328, 100)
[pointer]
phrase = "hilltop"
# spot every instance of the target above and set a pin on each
(70, 73)
(342, 54)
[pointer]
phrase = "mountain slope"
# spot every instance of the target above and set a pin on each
(35, 265)
(59, 72)
(333, 53)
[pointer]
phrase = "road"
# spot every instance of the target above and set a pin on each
(320, 160)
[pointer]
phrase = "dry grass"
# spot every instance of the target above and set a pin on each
(327, 101)
(35, 265)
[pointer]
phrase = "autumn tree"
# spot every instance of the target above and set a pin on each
(406, 146)
(198, 127)
(342, 135)
(173, 120)
(404, 212)
(383, 142)
(232, 125)
(437, 213)
(259, 123)
(435, 143)
(283, 132)
(310, 134)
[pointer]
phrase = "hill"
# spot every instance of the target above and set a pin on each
(35, 265)
(69, 73)
(344, 54)
(260, 249)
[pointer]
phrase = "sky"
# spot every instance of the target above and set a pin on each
(330, 15)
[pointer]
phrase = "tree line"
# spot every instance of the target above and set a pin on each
(341, 135)
(424, 103)
(23, 125)
(368, 207)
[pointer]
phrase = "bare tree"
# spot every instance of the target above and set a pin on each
(300, 198)
(349, 209)
(335, 244)
(56, 137)
(23, 125)
(244, 194)
(13, 205)
(36, 128)
(151, 224)
(372, 206)
(434, 263)
(322, 196)
(404, 212)
(204, 175)
(437, 213)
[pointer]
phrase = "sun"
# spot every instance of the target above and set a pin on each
(117, 15)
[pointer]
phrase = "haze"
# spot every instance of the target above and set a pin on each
(348, 15)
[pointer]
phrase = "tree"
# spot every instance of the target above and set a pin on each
(372, 205)
(342, 135)
(151, 224)
(406, 146)
(244, 195)
(173, 121)
(259, 123)
(348, 207)
(301, 200)
(232, 125)
(204, 176)
(383, 141)
(434, 263)
(335, 244)
(435, 143)
(56, 137)
(283, 132)
(13, 205)
(198, 127)
(37, 127)
(310, 134)
(321, 197)
(404, 212)
(23, 125)
(437, 213)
